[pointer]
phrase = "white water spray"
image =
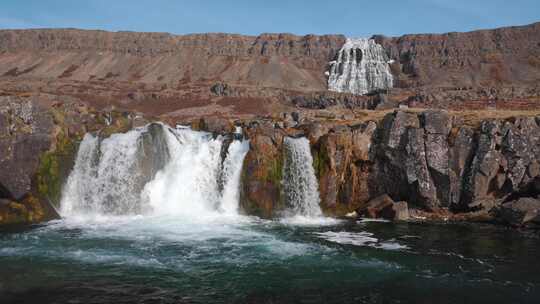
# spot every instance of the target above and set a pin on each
(155, 170)
(362, 67)
(104, 179)
(300, 184)
(232, 169)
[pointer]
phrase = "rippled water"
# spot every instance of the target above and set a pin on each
(235, 259)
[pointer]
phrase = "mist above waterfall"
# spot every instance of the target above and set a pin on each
(361, 67)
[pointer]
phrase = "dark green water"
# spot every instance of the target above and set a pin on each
(246, 260)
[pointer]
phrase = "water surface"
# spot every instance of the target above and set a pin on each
(235, 259)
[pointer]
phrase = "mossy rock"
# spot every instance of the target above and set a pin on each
(28, 211)
(320, 161)
(54, 168)
(121, 124)
(262, 175)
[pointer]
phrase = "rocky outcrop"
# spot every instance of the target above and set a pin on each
(328, 99)
(261, 192)
(39, 139)
(520, 212)
(384, 207)
(430, 159)
(487, 58)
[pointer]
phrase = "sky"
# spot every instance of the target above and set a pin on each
(354, 18)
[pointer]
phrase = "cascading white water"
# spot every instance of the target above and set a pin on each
(361, 67)
(104, 178)
(154, 170)
(232, 169)
(300, 184)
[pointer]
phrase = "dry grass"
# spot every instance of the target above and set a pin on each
(471, 118)
(474, 118)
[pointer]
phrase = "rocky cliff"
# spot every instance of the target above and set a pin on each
(443, 164)
(431, 159)
(39, 139)
(269, 60)
(486, 58)
(56, 85)
(164, 74)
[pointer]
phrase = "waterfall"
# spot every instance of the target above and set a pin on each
(232, 169)
(300, 184)
(155, 170)
(361, 67)
(106, 178)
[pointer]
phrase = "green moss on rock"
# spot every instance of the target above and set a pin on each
(54, 167)
(120, 126)
(320, 161)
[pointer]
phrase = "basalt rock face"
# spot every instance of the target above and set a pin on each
(160, 74)
(431, 159)
(488, 58)
(268, 60)
(25, 128)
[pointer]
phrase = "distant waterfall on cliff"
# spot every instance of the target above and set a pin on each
(361, 67)
(155, 170)
(300, 184)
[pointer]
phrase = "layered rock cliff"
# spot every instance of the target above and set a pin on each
(56, 85)
(178, 75)
(431, 159)
(439, 162)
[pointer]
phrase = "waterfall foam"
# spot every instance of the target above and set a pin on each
(361, 67)
(105, 177)
(232, 169)
(301, 189)
(155, 170)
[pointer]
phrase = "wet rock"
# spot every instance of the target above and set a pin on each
(375, 207)
(27, 211)
(399, 211)
(384, 207)
(261, 192)
(520, 212)
(152, 153)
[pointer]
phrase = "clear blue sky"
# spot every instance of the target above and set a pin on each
(357, 18)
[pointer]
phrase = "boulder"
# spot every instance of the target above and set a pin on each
(216, 125)
(384, 207)
(375, 207)
(520, 212)
(399, 211)
(27, 211)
